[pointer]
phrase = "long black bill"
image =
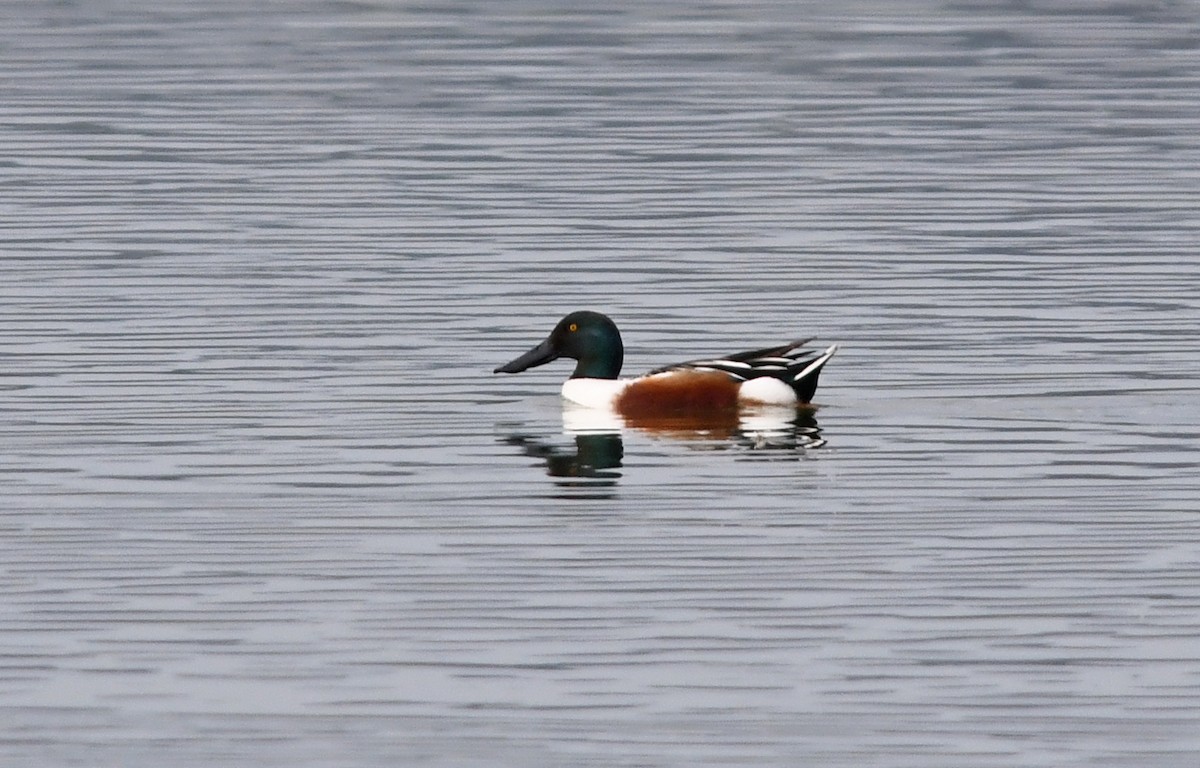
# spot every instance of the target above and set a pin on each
(539, 355)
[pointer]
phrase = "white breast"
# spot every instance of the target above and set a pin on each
(593, 393)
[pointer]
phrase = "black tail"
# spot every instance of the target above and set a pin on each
(805, 373)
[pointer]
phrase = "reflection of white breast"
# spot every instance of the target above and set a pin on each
(593, 393)
(581, 420)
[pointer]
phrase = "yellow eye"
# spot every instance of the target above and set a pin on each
(574, 327)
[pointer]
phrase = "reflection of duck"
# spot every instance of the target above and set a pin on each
(594, 460)
(785, 375)
(596, 455)
(760, 428)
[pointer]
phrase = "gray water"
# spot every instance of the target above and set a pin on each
(264, 503)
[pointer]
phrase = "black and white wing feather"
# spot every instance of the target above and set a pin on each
(793, 364)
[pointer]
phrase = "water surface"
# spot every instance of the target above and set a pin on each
(264, 502)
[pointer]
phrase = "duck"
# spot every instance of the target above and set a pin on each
(784, 375)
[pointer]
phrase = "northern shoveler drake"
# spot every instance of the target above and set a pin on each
(784, 375)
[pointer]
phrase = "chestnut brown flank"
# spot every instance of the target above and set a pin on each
(700, 392)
